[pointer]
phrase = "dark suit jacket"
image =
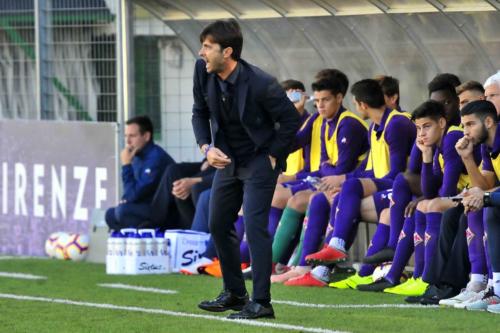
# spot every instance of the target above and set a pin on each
(266, 113)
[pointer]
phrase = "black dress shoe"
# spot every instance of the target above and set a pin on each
(384, 255)
(253, 310)
(378, 285)
(343, 268)
(413, 299)
(430, 292)
(341, 271)
(438, 294)
(225, 301)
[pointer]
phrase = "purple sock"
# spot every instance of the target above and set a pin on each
(319, 210)
(474, 234)
(433, 224)
(348, 208)
(418, 243)
(366, 270)
(404, 249)
(244, 250)
(239, 225)
(331, 223)
(378, 242)
(352, 236)
(329, 234)
(401, 196)
(485, 244)
(274, 220)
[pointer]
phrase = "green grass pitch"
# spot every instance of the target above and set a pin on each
(79, 282)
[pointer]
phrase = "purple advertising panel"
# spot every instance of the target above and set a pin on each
(52, 175)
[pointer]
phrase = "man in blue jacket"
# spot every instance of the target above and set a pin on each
(244, 124)
(143, 163)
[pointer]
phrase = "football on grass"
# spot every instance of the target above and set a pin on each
(76, 247)
(381, 271)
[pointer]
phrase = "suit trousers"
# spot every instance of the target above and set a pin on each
(493, 232)
(252, 186)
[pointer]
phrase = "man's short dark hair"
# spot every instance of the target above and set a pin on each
(470, 86)
(226, 33)
(334, 86)
(429, 109)
(144, 122)
(441, 83)
(293, 84)
(449, 77)
(482, 109)
(336, 75)
(370, 92)
(390, 85)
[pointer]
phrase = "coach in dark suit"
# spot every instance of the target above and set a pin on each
(244, 124)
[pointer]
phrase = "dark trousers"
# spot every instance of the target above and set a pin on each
(493, 225)
(170, 212)
(187, 206)
(128, 215)
(253, 186)
(451, 264)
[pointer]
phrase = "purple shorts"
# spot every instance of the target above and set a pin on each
(299, 185)
(382, 200)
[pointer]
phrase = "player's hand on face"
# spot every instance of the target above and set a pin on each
(464, 147)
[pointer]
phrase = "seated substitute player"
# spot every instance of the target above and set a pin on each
(480, 122)
(391, 137)
(318, 211)
(442, 175)
(338, 141)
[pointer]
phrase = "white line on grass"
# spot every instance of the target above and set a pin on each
(292, 303)
(21, 257)
(169, 313)
(137, 288)
(354, 306)
(22, 276)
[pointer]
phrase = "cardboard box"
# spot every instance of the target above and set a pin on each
(186, 247)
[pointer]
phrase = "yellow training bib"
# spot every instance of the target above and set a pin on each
(379, 158)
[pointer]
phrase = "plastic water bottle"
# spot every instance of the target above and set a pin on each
(119, 252)
(147, 236)
(134, 245)
(132, 249)
(128, 235)
(111, 243)
(111, 264)
(163, 251)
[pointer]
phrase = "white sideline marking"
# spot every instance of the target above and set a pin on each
(292, 303)
(354, 306)
(22, 276)
(168, 313)
(21, 257)
(137, 288)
